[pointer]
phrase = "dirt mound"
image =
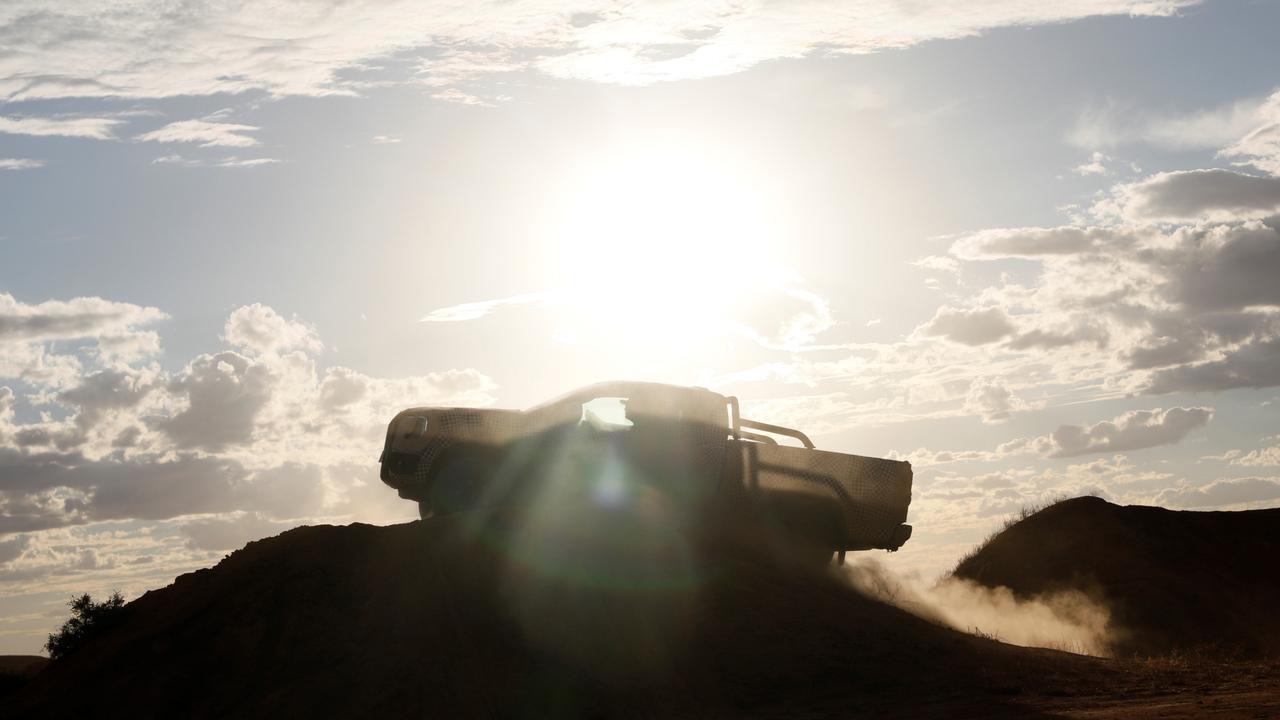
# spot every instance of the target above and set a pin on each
(1174, 580)
(434, 619)
(17, 670)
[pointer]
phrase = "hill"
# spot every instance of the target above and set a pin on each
(403, 620)
(439, 619)
(1175, 581)
(17, 670)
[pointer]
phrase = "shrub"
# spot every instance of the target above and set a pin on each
(88, 619)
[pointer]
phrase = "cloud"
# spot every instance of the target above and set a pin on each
(1097, 165)
(90, 127)
(230, 533)
(227, 162)
(260, 329)
(224, 393)
(978, 326)
(1133, 430)
(13, 548)
(384, 139)
(1189, 307)
(1037, 243)
(1114, 124)
(992, 401)
(204, 132)
(20, 164)
(1260, 147)
(205, 48)
(70, 319)
(1221, 493)
(1255, 364)
(1267, 456)
(477, 310)
(256, 429)
(1194, 195)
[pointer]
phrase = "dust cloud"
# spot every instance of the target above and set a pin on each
(1068, 621)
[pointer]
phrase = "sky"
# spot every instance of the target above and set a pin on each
(1031, 247)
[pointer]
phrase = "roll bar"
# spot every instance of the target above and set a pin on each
(737, 422)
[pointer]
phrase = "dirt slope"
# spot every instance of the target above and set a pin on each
(17, 670)
(1175, 581)
(433, 620)
(405, 620)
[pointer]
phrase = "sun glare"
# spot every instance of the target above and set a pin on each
(662, 248)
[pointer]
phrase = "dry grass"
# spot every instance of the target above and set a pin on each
(1023, 513)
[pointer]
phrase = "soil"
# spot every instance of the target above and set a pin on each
(446, 620)
(1205, 583)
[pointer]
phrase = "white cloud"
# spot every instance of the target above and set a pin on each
(112, 331)
(227, 162)
(477, 310)
(1097, 165)
(1246, 130)
(384, 139)
(1191, 307)
(70, 319)
(1115, 124)
(1267, 456)
(20, 164)
(204, 132)
(202, 48)
(257, 430)
(1260, 147)
(1036, 242)
(91, 127)
(260, 329)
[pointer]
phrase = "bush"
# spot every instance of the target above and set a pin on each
(88, 619)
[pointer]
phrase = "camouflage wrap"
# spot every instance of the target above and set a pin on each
(873, 494)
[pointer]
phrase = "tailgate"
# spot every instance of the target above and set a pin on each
(872, 493)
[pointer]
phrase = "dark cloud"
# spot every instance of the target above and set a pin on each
(992, 401)
(1190, 195)
(13, 548)
(225, 391)
(1037, 339)
(104, 391)
(1037, 242)
(1224, 268)
(1255, 364)
(1218, 493)
(969, 327)
(1133, 430)
(110, 489)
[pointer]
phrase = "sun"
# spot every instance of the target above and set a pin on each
(661, 247)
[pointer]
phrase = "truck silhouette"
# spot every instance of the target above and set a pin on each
(641, 446)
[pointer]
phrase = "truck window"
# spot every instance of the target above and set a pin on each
(607, 414)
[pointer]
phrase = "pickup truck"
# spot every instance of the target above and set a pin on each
(649, 447)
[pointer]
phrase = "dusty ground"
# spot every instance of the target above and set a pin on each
(1192, 688)
(441, 620)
